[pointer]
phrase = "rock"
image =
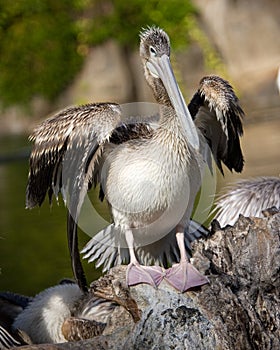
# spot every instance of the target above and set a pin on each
(238, 309)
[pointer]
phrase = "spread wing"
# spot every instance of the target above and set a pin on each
(68, 139)
(63, 147)
(218, 115)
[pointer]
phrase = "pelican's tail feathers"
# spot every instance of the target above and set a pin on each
(108, 248)
(193, 232)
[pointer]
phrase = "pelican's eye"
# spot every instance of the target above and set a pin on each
(152, 51)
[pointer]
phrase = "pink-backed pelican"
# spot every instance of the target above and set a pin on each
(149, 170)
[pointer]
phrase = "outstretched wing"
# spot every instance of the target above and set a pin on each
(218, 115)
(64, 147)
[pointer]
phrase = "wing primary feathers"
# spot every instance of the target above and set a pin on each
(195, 103)
(217, 114)
(77, 267)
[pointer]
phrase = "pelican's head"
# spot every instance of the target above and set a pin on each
(155, 54)
(154, 43)
(154, 51)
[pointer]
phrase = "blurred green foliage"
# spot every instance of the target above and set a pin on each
(38, 54)
(123, 20)
(43, 43)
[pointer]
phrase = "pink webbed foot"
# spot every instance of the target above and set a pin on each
(184, 276)
(137, 274)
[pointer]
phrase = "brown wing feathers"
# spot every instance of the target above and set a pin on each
(217, 113)
(74, 128)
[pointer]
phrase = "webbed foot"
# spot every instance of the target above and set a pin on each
(137, 274)
(184, 276)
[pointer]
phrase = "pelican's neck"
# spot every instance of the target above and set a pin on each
(160, 93)
(158, 89)
(167, 94)
(169, 121)
(171, 137)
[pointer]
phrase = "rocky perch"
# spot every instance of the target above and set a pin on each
(238, 309)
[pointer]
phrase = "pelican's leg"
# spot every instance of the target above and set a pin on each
(137, 273)
(184, 275)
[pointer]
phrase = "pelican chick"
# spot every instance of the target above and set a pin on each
(63, 313)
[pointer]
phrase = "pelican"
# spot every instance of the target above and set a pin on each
(149, 170)
(248, 197)
(62, 313)
(57, 314)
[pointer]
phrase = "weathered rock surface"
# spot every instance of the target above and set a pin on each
(238, 309)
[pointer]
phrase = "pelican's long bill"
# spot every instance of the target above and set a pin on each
(161, 68)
